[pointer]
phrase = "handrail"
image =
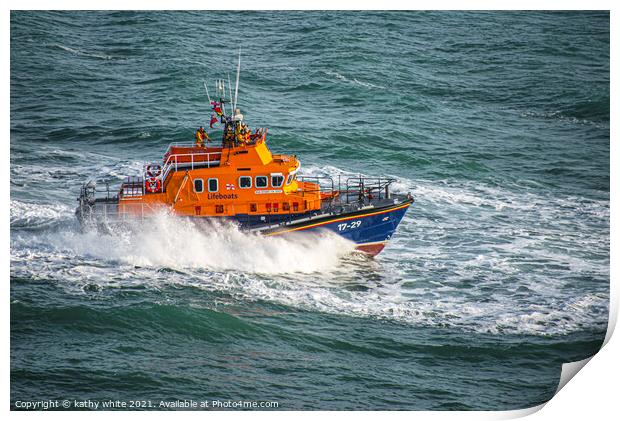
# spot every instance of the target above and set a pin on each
(172, 160)
(358, 189)
(179, 145)
(185, 145)
(311, 178)
(112, 212)
(368, 185)
(262, 131)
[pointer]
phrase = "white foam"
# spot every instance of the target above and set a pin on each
(31, 215)
(367, 84)
(514, 276)
(336, 75)
(354, 81)
(69, 49)
(82, 53)
(387, 302)
(167, 241)
(121, 170)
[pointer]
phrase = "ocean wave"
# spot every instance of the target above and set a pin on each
(76, 174)
(83, 53)
(596, 119)
(309, 274)
(120, 170)
(476, 196)
(168, 241)
(37, 215)
(222, 259)
(503, 317)
(353, 81)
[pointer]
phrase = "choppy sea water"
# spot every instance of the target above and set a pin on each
(497, 122)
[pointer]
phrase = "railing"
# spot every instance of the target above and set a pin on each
(88, 193)
(376, 187)
(173, 162)
(262, 136)
(179, 145)
(323, 183)
(103, 212)
(125, 210)
(358, 191)
(132, 186)
(368, 187)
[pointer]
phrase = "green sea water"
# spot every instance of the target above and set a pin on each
(496, 122)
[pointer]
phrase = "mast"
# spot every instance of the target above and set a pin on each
(237, 83)
(232, 111)
(220, 88)
(207, 89)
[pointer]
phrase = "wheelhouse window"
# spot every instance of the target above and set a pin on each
(213, 187)
(199, 185)
(289, 179)
(245, 182)
(261, 181)
(277, 180)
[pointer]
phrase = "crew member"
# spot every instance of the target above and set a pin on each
(229, 135)
(199, 137)
(239, 135)
(204, 134)
(247, 133)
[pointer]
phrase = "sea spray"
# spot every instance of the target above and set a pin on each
(168, 241)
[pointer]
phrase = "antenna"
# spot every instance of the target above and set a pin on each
(207, 89)
(237, 83)
(219, 87)
(232, 110)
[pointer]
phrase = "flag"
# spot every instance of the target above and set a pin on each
(213, 120)
(230, 186)
(217, 107)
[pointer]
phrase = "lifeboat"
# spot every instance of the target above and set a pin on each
(239, 179)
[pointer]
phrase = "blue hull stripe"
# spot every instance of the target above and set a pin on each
(371, 227)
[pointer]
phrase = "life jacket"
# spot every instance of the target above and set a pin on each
(199, 138)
